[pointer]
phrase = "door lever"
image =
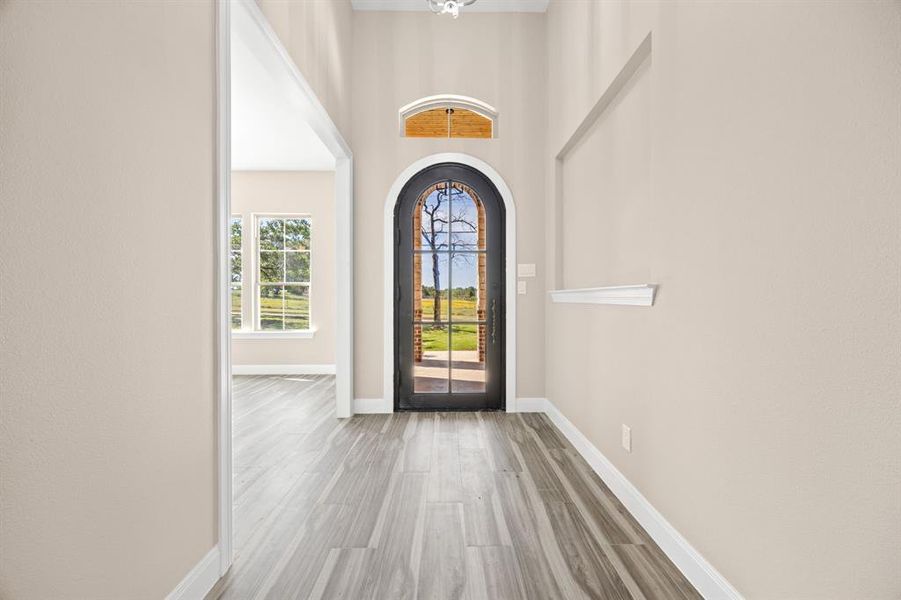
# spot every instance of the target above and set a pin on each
(494, 321)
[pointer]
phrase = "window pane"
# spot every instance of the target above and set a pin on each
(465, 279)
(465, 221)
(235, 233)
(430, 366)
(272, 268)
(298, 264)
(272, 235)
(431, 301)
(236, 306)
(428, 123)
(433, 220)
(297, 307)
(467, 124)
(468, 363)
(297, 234)
(271, 307)
(236, 267)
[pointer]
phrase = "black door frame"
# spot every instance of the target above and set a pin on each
(495, 213)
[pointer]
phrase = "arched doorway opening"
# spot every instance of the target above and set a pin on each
(449, 291)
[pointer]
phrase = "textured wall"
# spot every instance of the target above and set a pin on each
(751, 169)
(107, 203)
(318, 34)
(302, 192)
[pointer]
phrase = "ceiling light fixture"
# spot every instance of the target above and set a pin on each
(451, 7)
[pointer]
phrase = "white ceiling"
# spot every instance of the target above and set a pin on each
(479, 6)
(269, 130)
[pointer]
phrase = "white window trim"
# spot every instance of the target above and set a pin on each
(240, 218)
(256, 332)
(291, 334)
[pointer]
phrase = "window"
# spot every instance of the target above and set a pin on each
(448, 117)
(236, 271)
(283, 273)
(447, 123)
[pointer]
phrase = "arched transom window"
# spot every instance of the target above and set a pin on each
(448, 117)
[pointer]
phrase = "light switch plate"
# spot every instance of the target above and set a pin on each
(521, 287)
(627, 438)
(525, 270)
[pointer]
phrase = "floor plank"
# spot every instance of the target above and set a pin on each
(442, 569)
(348, 576)
(591, 569)
(493, 573)
(520, 513)
(483, 517)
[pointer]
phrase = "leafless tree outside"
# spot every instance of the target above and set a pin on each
(443, 222)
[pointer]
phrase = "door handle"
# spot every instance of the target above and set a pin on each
(494, 321)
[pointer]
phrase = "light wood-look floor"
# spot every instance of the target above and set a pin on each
(422, 505)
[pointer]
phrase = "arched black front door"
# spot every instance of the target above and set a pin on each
(449, 301)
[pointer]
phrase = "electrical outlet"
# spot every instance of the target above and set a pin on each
(627, 438)
(521, 287)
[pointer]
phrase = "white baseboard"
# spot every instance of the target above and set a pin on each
(372, 406)
(283, 369)
(379, 406)
(199, 580)
(706, 579)
(527, 405)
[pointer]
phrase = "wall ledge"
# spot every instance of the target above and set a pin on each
(633, 295)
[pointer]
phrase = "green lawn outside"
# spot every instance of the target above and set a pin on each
(464, 337)
(297, 313)
(236, 308)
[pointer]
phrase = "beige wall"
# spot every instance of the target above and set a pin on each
(318, 34)
(107, 203)
(751, 169)
(401, 57)
(300, 192)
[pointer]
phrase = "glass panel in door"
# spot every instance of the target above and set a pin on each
(449, 270)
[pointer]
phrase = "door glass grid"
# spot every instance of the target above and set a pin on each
(449, 283)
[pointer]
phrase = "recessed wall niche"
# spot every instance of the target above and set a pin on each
(603, 193)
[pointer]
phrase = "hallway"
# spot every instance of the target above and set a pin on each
(425, 505)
